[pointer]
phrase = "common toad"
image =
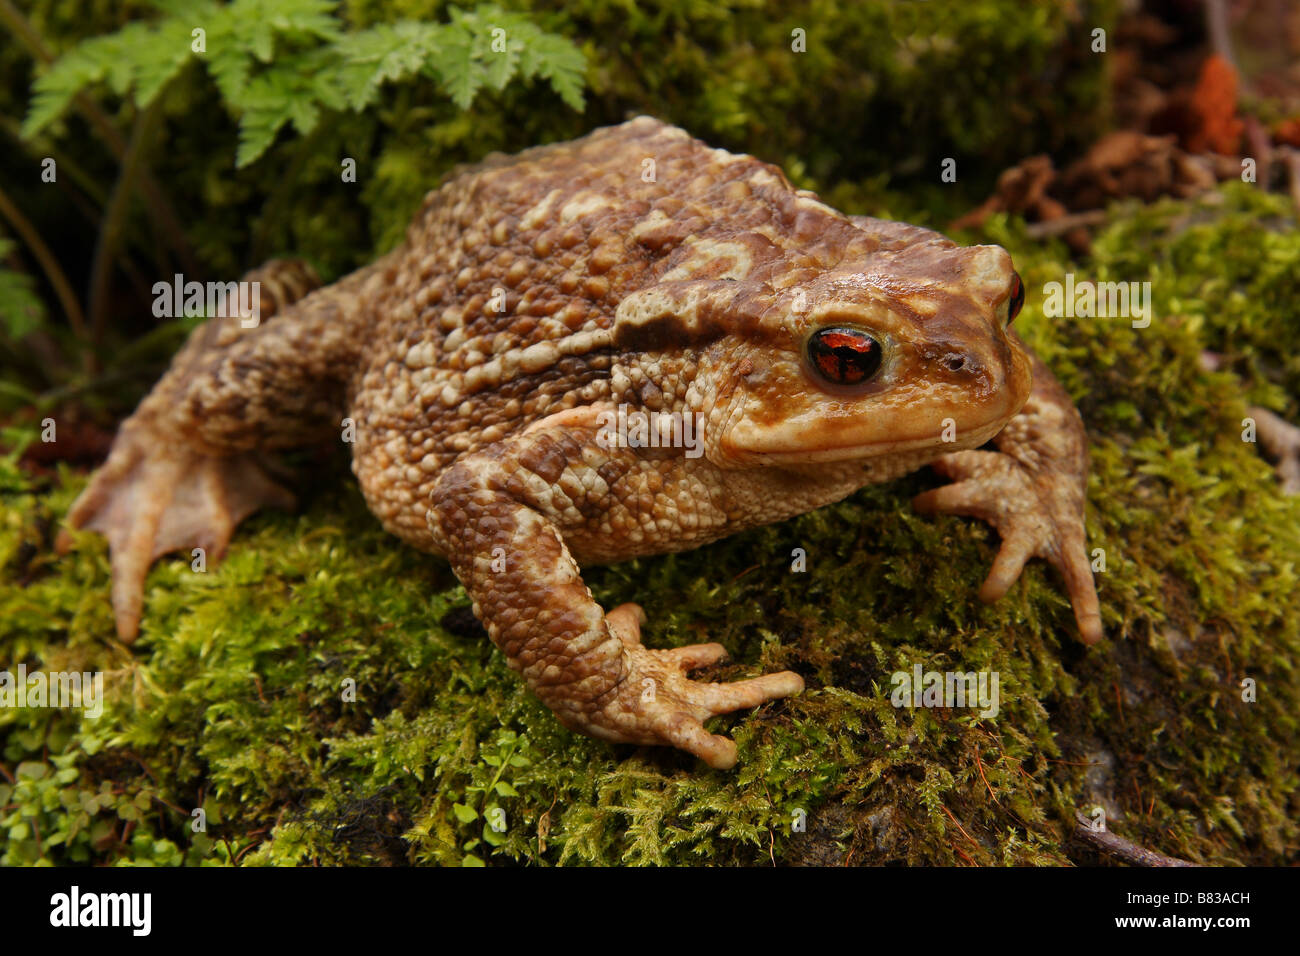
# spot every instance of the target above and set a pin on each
(623, 345)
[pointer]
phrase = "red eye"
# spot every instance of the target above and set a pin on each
(844, 356)
(1017, 298)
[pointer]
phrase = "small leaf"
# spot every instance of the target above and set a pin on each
(172, 45)
(456, 68)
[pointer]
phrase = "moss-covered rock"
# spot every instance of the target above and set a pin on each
(235, 699)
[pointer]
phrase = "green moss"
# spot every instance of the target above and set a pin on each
(233, 698)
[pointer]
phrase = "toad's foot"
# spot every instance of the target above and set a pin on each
(1032, 490)
(188, 466)
(655, 703)
(152, 497)
(1036, 516)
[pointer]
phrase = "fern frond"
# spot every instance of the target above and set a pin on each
(557, 61)
(269, 102)
(300, 18)
(172, 40)
(286, 61)
(456, 67)
(88, 63)
(141, 58)
(385, 52)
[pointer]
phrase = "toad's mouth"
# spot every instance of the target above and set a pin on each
(791, 444)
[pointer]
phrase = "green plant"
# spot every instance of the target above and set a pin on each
(21, 310)
(130, 88)
(482, 796)
(289, 61)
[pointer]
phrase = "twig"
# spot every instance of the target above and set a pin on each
(1116, 846)
(979, 765)
(49, 265)
(241, 853)
(114, 214)
(1054, 227)
(43, 146)
(89, 201)
(959, 827)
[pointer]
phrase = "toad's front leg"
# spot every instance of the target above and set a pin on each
(1032, 490)
(502, 514)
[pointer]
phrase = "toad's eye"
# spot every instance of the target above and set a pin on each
(1017, 298)
(844, 356)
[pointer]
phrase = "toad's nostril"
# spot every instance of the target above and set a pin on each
(956, 362)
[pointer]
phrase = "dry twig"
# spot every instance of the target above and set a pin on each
(1113, 845)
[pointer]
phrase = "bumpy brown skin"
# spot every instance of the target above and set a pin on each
(635, 267)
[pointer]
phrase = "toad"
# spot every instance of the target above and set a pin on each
(485, 371)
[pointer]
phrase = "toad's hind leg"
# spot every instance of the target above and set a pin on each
(187, 466)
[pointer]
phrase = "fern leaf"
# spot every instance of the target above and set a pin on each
(320, 67)
(170, 43)
(560, 63)
(501, 54)
(306, 18)
(383, 53)
(229, 65)
(113, 53)
(291, 94)
(261, 40)
(304, 113)
(456, 66)
(265, 111)
(54, 90)
(139, 58)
